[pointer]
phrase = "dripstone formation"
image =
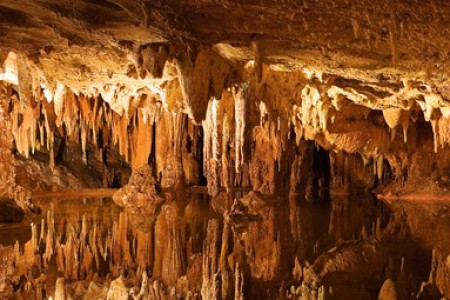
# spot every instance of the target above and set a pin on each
(255, 108)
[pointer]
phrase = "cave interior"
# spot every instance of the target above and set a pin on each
(224, 149)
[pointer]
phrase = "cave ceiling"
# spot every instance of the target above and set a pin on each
(81, 42)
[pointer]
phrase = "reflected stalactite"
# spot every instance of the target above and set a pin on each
(246, 249)
(261, 239)
(169, 257)
(211, 277)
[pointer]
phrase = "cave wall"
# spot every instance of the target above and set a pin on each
(211, 122)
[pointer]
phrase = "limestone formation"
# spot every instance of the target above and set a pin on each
(216, 125)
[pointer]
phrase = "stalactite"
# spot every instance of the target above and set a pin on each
(120, 134)
(124, 117)
(310, 115)
(262, 167)
(58, 99)
(17, 132)
(208, 71)
(441, 132)
(240, 123)
(70, 111)
(25, 80)
(301, 176)
(153, 60)
(225, 159)
(211, 148)
(142, 141)
(168, 151)
(397, 117)
(178, 123)
(189, 154)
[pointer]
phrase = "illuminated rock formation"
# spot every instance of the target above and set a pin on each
(260, 107)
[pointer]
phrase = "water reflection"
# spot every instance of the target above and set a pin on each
(257, 247)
